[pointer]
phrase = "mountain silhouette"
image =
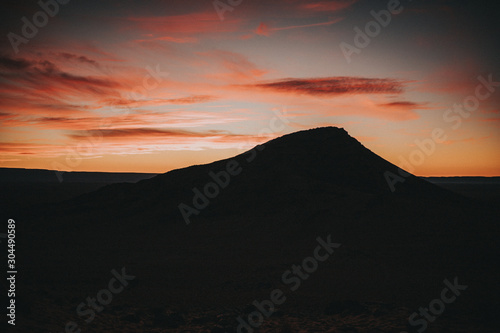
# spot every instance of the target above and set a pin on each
(220, 235)
(284, 172)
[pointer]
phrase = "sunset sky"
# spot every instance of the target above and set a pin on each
(150, 86)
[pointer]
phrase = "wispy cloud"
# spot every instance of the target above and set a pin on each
(332, 86)
(177, 40)
(234, 67)
(264, 29)
(185, 24)
(148, 133)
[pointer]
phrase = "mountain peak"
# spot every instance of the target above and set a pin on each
(318, 133)
(314, 140)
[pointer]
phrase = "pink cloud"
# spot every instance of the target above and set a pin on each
(177, 40)
(264, 29)
(235, 66)
(186, 24)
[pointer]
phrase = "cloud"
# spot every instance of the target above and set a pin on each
(490, 121)
(472, 140)
(455, 77)
(5, 115)
(98, 142)
(148, 133)
(29, 149)
(144, 140)
(79, 58)
(186, 24)
(405, 105)
(136, 103)
(332, 86)
(295, 8)
(310, 25)
(90, 48)
(140, 119)
(264, 29)
(238, 67)
(13, 64)
(45, 76)
(192, 99)
(327, 6)
(39, 86)
(177, 40)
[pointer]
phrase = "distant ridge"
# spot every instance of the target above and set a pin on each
(464, 179)
(50, 176)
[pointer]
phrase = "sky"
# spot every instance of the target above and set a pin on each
(151, 86)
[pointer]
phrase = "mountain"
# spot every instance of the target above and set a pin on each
(205, 242)
(307, 166)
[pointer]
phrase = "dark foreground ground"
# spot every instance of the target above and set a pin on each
(369, 284)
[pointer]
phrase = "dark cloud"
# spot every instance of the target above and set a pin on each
(403, 104)
(14, 64)
(334, 86)
(146, 132)
(24, 76)
(79, 58)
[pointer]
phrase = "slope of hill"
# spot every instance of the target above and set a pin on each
(204, 242)
(302, 167)
(22, 188)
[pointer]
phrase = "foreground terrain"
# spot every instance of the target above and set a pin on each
(201, 271)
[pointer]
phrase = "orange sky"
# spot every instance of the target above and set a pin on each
(153, 86)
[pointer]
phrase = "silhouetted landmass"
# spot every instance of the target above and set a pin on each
(51, 176)
(486, 189)
(464, 180)
(396, 249)
(23, 188)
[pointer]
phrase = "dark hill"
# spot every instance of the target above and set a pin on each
(397, 247)
(306, 166)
